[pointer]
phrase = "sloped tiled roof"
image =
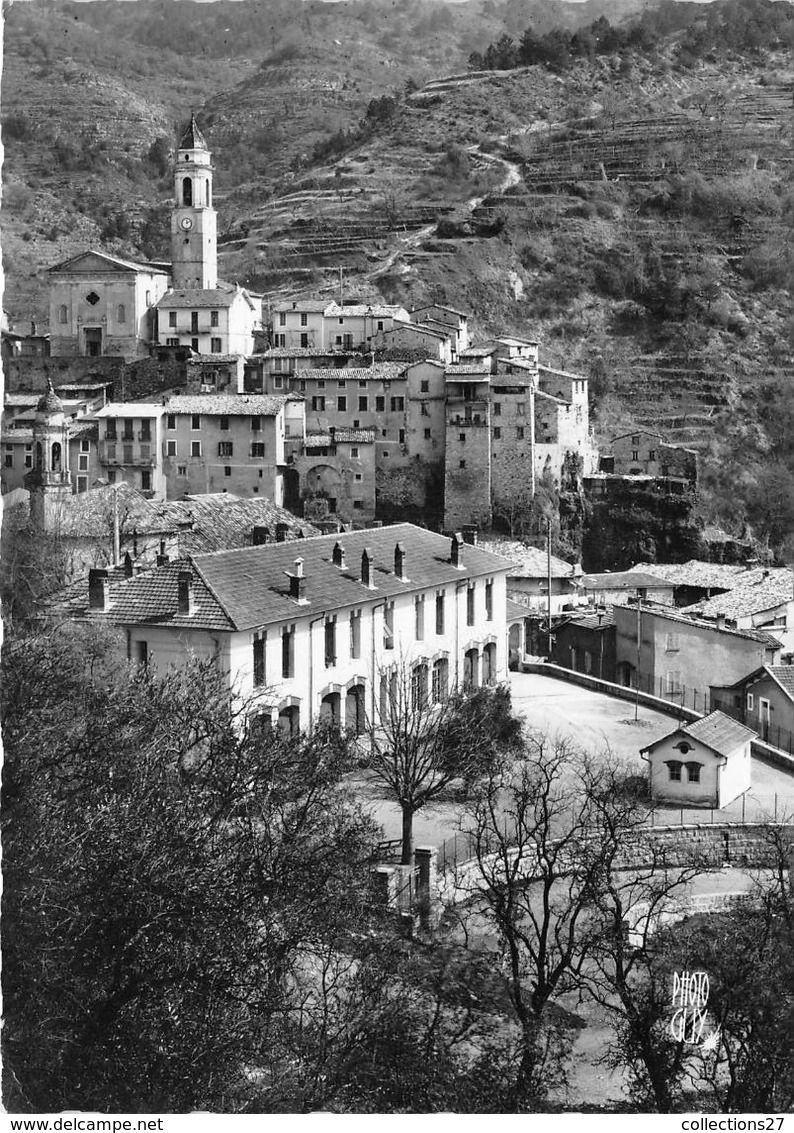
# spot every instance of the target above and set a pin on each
(420, 328)
(721, 733)
(220, 521)
(527, 562)
(515, 611)
(592, 621)
(784, 675)
(750, 598)
(245, 588)
(695, 572)
(542, 370)
(228, 404)
(378, 371)
(193, 137)
(307, 306)
(357, 310)
(440, 307)
(89, 515)
(684, 617)
(462, 370)
(201, 297)
(348, 436)
(623, 580)
(115, 261)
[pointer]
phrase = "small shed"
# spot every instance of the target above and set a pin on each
(706, 763)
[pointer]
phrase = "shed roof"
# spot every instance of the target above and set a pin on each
(721, 733)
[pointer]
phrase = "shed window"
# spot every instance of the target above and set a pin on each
(674, 767)
(693, 772)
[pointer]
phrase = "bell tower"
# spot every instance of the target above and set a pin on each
(50, 480)
(194, 251)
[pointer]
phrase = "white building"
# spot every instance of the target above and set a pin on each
(706, 763)
(319, 325)
(317, 628)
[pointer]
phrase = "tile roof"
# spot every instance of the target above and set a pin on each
(303, 352)
(420, 328)
(378, 371)
(220, 521)
(697, 573)
(591, 620)
(308, 306)
(245, 588)
(560, 373)
(528, 562)
(784, 675)
(441, 307)
(89, 515)
(470, 370)
(483, 350)
(750, 597)
(227, 404)
(200, 297)
(193, 137)
(358, 310)
(515, 611)
(550, 397)
(354, 436)
(720, 732)
(683, 617)
(128, 265)
(623, 580)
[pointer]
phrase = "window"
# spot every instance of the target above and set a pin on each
(259, 657)
(423, 410)
(462, 438)
(213, 318)
(170, 448)
(172, 318)
(672, 643)
(256, 424)
(142, 653)
(489, 601)
(257, 449)
(419, 617)
(358, 476)
(170, 421)
(363, 404)
(388, 626)
(384, 454)
(652, 454)
(194, 322)
(470, 606)
(223, 423)
(181, 469)
(195, 421)
(354, 452)
(440, 685)
(672, 681)
(635, 440)
(110, 430)
(397, 404)
(215, 345)
(318, 403)
(424, 386)
(341, 403)
(520, 433)
(440, 612)
(148, 298)
(121, 313)
(28, 457)
(195, 448)
(278, 382)
(693, 772)
(521, 409)
(401, 436)
(62, 313)
(380, 324)
(82, 484)
(635, 455)
(321, 383)
(358, 505)
(304, 319)
(227, 470)
(146, 480)
(330, 642)
(288, 651)
(8, 460)
(304, 340)
(362, 384)
(194, 345)
(750, 702)
(282, 318)
(674, 767)
(281, 340)
(172, 342)
(341, 383)
(418, 686)
(225, 448)
(497, 409)
(461, 464)
(428, 435)
(380, 404)
(355, 633)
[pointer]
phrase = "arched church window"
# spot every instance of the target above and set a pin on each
(122, 313)
(209, 193)
(56, 457)
(39, 456)
(187, 191)
(62, 313)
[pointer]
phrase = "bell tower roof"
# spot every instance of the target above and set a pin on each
(49, 402)
(193, 137)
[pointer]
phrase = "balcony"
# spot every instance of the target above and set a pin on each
(467, 421)
(127, 455)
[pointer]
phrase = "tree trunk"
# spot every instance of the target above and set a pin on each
(407, 834)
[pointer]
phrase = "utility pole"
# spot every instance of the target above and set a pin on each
(639, 656)
(548, 578)
(341, 293)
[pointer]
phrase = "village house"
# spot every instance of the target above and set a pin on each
(680, 656)
(528, 578)
(706, 763)
(434, 341)
(761, 601)
(585, 643)
(644, 453)
(447, 319)
(320, 325)
(695, 580)
(321, 627)
(764, 700)
(621, 587)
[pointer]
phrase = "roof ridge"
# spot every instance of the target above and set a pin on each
(195, 566)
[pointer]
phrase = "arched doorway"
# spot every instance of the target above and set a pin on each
(330, 708)
(355, 709)
(471, 668)
(289, 720)
(489, 664)
(515, 646)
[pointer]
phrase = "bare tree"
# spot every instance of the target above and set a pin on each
(424, 737)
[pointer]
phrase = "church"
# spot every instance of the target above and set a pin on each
(102, 304)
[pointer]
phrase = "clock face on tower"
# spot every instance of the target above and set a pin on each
(186, 223)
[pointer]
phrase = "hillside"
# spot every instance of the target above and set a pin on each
(631, 210)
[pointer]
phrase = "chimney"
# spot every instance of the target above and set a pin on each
(33, 327)
(297, 582)
(128, 567)
(720, 621)
(281, 532)
(98, 589)
(454, 556)
(186, 601)
(470, 534)
(260, 536)
(339, 556)
(162, 557)
(367, 568)
(399, 560)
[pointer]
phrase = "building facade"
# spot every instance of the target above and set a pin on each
(706, 763)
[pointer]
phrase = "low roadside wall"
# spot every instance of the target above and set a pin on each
(760, 749)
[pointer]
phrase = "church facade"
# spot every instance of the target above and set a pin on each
(102, 304)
